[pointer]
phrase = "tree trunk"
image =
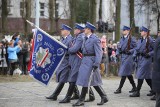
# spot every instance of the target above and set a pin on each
(92, 11)
(73, 4)
(118, 20)
(132, 21)
(100, 9)
(4, 15)
(158, 16)
(51, 15)
(27, 16)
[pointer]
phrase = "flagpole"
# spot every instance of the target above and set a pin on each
(37, 13)
(32, 24)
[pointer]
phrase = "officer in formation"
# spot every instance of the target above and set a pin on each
(92, 55)
(63, 71)
(144, 52)
(75, 57)
(156, 70)
(126, 49)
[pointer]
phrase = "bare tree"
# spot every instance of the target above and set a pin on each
(26, 14)
(132, 21)
(153, 7)
(92, 11)
(73, 5)
(100, 9)
(4, 15)
(118, 19)
(51, 14)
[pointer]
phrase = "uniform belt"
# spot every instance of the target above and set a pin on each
(72, 53)
(89, 55)
(67, 55)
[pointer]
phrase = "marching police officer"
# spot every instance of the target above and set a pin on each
(92, 55)
(75, 57)
(144, 53)
(63, 71)
(156, 70)
(126, 49)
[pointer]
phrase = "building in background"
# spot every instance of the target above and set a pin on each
(16, 10)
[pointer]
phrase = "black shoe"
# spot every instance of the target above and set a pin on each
(133, 90)
(79, 103)
(118, 91)
(81, 99)
(56, 92)
(151, 93)
(104, 99)
(52, 97)
(69, 93)
(76, 93)
(90, 99)
(153, 98)
(135, 94)
(75, 96)
(65, 100)
(91, 96)
(102, 93)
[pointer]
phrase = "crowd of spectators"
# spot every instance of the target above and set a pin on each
(14, 55)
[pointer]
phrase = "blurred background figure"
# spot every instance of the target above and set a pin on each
(12, 55)
(3, 59)
(103, 62)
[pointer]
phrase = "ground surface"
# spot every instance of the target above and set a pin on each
(22, 91)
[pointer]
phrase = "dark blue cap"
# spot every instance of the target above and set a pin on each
(90, 26)
(126, 28)
(65, 27)
(144, 29)
(78, 26)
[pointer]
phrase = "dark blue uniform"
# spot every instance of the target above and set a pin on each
(156, 71)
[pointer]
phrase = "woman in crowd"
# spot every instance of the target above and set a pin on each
(12, 55)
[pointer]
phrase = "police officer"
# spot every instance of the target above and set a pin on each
(156, 71)
(144, 52)
(92, 55)
(75, 57)
(126, 49)
(63, 71)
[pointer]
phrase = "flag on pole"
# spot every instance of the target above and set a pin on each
(46, 57)
(31, 51)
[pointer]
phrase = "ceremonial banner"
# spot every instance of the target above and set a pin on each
(46, 57)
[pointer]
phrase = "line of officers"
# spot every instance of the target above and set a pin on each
(76, 69)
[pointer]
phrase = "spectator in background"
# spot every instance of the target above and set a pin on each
(12, 55)
(103, 62)
(26, 56)
(113, 57)
(16, 38)
(3, 62)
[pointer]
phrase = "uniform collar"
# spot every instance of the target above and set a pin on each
(89, 35)
(125, 36)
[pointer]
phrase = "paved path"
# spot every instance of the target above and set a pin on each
(32, 94)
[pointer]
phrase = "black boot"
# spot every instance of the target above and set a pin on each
(133, 90)
(56, 92)
(80, 101)
(151, 93)
(69, 93)
(103, 95)
(153, 98)
(117, 91)
(91, 96)
(135, 94)
(123, 79)
(131, 80)
(76, 93)
(139, 85)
